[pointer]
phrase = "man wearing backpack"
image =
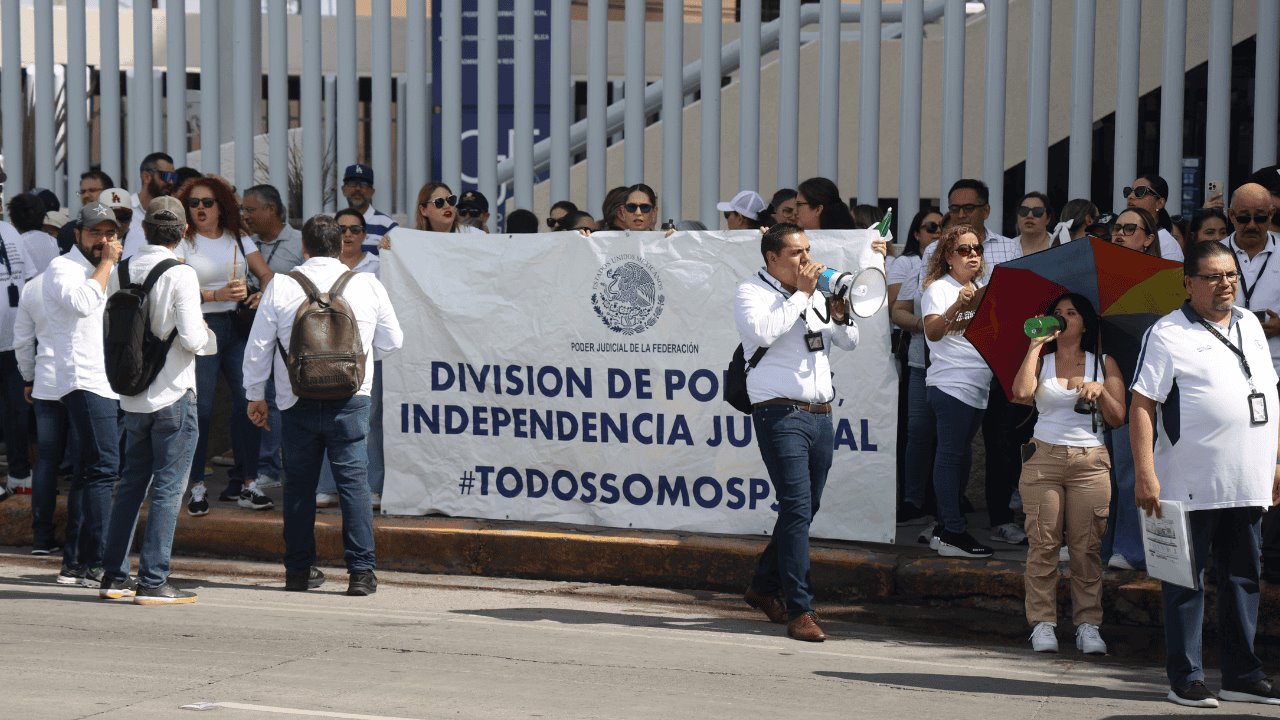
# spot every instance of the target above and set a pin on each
(323, 376)
(160, 421)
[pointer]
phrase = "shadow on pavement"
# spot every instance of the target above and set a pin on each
(995, 686)
(580, 617)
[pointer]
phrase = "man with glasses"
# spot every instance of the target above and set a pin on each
(92, 183)
(357, 188)
(1207, 366)
(158, 179)
(473, 210)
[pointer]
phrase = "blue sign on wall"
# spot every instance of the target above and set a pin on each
(506, 87)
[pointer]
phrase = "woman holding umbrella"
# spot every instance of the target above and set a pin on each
(957, 380)
(1066, 470)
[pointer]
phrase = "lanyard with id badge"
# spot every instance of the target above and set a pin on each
(1257, 401)
(812, 340)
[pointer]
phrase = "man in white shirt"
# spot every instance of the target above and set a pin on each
(791, 395)
(120, 202)
(31, 336)
(310, 426)
(1207, 368)
(75, 295)
(160, 423)
(357, 188)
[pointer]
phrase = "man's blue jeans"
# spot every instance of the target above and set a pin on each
(1124, 530)
(796, 446)
(1233, 535)
(97, 425)
(377, 465)
(270, 464)
(159, 447)
(245, 437)
(340, 428)
(17, 413)
(958, 422)
(51, 436)
(921, 431)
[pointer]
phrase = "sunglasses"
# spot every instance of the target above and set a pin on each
(967, 250)
(1139, 192)
(1128, 229)
(967, 208)
(931, 227)
(441, 202)
(167, 176)
(469, 212)
(351, 229)
(1244, 218)
(1024, 211)
(553, 223)
(194, 203)
(638, 207)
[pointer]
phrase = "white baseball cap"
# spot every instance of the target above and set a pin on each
(116, 198)
(747, 203)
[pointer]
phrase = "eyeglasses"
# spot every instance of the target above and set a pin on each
(168, 177)
(727, 213)
(356, 183)
(193, 202)
(1219, 278)
(1025, 210)
(553, 223)
(1128, 229)
(108, 233)
(638, 207)
(967, 250)
(1244, 218)
(967, 208)
(441, 202)
(247, 209)
(90, 190)
(932, 227)
(351, 229)
(1139, 192)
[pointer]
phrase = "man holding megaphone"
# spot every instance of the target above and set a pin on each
(780, 310)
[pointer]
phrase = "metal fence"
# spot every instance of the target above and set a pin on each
(61, 142)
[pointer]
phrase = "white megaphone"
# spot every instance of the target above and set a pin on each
(865, 292)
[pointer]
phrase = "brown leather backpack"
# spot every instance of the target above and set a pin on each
(327, 359)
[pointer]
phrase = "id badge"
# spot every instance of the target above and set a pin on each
(1257, 409)
(13, 295)
(814, 341)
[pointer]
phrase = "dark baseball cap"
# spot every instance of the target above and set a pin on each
(166, 211)
(1101, 226)
(96, 212)
(358, 173)
(472, 199)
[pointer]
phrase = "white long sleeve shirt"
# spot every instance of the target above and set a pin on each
(768, 316)
(34, 358)
(380, 333)
(174, 303)
(13, 272)
(73, 306)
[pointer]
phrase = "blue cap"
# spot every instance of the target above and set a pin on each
(358, 173)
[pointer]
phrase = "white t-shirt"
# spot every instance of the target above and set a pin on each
(956, 368)
(1169, 247)
(216, 261)
(1207, 453)
(40, 248)
(1058, 422)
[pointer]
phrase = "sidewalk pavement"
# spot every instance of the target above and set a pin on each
(903, 584)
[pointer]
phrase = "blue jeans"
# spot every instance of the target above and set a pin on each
(245, 437)
(796, 447)
(1233, 536)
(1124, 531)
(922, 430)
(158, 451)
(270, 463)
(17, 416)
(958, 422)
(51, 436)
(377, 465)
(95, 421)
(312, 428)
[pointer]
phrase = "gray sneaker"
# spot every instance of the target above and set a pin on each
(166, 594)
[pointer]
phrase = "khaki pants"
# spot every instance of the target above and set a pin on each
(1060, 480)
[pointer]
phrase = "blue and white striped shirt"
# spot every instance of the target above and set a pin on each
(376, 225)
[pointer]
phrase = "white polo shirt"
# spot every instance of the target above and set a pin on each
(1261, 274)
(380, 333)
(73, 307)
(766, 315)
(35, 360)
(1207, 453)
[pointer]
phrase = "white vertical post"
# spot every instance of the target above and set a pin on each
(1264, 84)
(77, 103)
(403, 197)
(749, 111)
(1175, 59)
(633, 149)
(449, 75)
(347, 97)
(157, 110)
(952, 161)
(1080, 160)
(709, 140)
(909, 116)
(869, 105)
(561, 97)
(278, 99)
(109, 137)
(380, 110)
(994, 104)
(1128, 57)
(487, 111)
(788, 95)
(1217, 126)
(330, 172)
(1038, 97)
(417, 136)
(524, 77)
(829, 91)
(248, 90)
(44, 94)
(141, 132)
(672, 107)
(210, 100)
(175, 16)
(13, 110)
(597, 95)
(309, 110)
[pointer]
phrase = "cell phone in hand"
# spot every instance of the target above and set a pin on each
(1261, 315)
(1215, 187)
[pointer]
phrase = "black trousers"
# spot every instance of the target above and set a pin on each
(1006, 427)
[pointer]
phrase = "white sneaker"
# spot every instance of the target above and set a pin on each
(266, 483)
(1044, 637)
(929, 536)
(377, 500)
(1064, 554)
(1089, 641)
(1117, 562)
(324, 500)
(20, 485)
(1009, 533)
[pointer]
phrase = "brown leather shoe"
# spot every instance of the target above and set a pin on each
(806, 628)
(770, 605)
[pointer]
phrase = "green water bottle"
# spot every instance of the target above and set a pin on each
(883, 226)
(1041, 326)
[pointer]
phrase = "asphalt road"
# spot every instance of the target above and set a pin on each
(463, 647)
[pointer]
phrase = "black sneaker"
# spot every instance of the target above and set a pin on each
(231, 494)
(113, 589)
(363, 582)
(92, 577)
(70, 575)
(1260, 692)
(1195, 694)
(199, 503)
(962, 544)
(255, 499)
(302, 582)
(909, 513)
(5, 493)
(166, 594)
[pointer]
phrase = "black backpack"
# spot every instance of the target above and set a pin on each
(133, 355)
(735, 378)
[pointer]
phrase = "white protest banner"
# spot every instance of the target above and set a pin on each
(558, 378)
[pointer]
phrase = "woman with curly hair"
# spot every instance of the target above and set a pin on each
(222, 255)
